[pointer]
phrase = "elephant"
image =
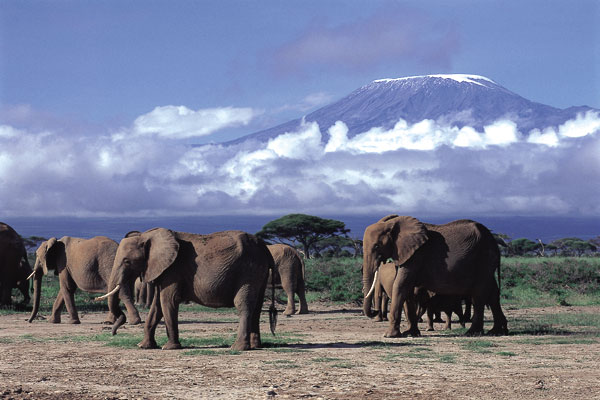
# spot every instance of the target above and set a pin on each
(222, 269)
(383, 286)
(289, 272)
(432, 303)
(14, 266)
(79, 263)
(457, 258)
(144, 293)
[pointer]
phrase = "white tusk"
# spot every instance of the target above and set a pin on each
(115, 290)
(30, 276)
(373, 285)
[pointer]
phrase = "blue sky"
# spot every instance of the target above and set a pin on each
(77, 77)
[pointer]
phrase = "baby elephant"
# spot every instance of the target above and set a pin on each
(289, 273)
(432, 303)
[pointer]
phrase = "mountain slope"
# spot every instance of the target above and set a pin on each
(455, 100)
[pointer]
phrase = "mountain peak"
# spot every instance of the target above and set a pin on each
(454, 100)
(461, 78)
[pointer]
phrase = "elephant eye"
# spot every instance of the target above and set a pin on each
(126, 261)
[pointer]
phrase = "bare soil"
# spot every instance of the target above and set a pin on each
(332, 353)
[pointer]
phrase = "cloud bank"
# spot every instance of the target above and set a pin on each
(423, 168)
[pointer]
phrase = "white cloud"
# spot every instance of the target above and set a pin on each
(179, 122)
(412, 168)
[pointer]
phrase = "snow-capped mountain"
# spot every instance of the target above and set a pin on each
(452, 100)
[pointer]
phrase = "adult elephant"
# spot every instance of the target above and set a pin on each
(79, 263)
(223, 269)
(289, 273)
(458, 258)
(14, 266)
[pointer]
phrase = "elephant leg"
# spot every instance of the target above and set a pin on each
(68, 288)
(430, 319)
(245, 302)
(459, 312)
(134, 315)
(402, 293)
(467, 314)
(70, 305)
(149, 294)
(154, 316)
(448, 325)
(255, 341)
(301, 290)
(289, 291)
(169, 299)
(384, 306)
(500, 324)
(57, 308)
(476, 328)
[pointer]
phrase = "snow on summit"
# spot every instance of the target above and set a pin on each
(461, 78)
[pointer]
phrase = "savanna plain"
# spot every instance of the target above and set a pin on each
(334, 352)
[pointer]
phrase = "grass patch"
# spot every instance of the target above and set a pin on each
(282, 339)
(558, 340)
(209, 352)
(506, 353)
(478, 346)
(282, 363)
(447, 358)
(326, 359)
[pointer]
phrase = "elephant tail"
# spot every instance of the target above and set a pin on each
(273, 309)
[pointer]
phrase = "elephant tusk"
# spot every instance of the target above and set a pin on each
(115, 290)
(30, 276)
(373, 285)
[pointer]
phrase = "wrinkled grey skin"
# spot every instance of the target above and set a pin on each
(79, 263)
(223, 269)
(289, 273)
(458, 258)
(14, 266)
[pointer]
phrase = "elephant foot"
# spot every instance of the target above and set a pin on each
(240, 346)
(393, 333)
(411, 333)
(255, 342)
(438, 320)
(136, 321)
(288, 313)
(474, 332)
(378, 318)
(54, 320)
(148, 344)
(430, 329)
(498, 331)
(302, 311)
(172, 346)
(75, 321)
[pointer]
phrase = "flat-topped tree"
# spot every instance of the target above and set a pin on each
(302, 229)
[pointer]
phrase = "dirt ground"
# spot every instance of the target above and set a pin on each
(331, 353)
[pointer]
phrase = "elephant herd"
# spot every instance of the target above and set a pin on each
(163, 268)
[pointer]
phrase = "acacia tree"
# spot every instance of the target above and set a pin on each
(302, 229)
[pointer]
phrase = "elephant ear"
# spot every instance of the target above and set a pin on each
(132, 234)
(410, 234)
(388, 217)
(161, 248)
(50, 255)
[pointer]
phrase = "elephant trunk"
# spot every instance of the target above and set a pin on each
(368, 286)
(113, 300)
(37, 292)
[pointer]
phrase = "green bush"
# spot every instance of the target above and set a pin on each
(338, 279)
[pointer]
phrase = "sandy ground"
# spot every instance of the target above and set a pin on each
(331, 353)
